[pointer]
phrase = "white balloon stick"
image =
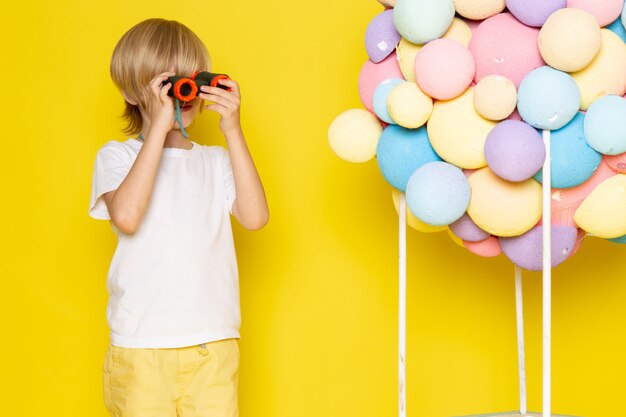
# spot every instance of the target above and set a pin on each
(521, 355)
(402, 308)
(547, 279)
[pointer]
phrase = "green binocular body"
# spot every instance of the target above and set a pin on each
(187, 88)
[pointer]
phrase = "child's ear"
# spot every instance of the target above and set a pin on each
(134, 103)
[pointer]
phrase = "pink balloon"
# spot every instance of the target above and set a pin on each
(468, 172)
(515, 115)
(473, 24)
(616, 162)
(605, 11)
(487, 248)
(444, 68)
(505, 46)
(566, 201)
(373, 74)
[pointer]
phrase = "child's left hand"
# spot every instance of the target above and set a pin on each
(226, 103)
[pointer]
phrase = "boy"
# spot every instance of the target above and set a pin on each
(173, 286)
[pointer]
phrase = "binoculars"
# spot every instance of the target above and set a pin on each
(186, 89)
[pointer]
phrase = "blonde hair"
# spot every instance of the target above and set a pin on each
(148, 49)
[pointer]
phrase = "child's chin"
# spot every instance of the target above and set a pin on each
(185, 123)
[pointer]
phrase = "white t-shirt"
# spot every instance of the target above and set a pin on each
(174, 282)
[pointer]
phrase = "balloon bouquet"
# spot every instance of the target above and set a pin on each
(502, 123)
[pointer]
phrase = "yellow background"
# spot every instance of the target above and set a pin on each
(318, 284)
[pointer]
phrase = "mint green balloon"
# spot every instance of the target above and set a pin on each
(421, 21)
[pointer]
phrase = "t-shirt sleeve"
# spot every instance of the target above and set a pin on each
(229, 180)
(111, 167)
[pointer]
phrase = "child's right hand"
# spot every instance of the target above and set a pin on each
(160, 105)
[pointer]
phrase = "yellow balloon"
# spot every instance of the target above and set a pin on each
(406, 51)
(495, 97)
(478, 9)
(607, 72)
(354, 134)
(458, 133)
(603, 212)
(459, 31)
(570, 39)
(411, 220)
(501, 207)
(409, 106)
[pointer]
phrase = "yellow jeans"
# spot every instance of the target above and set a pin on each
(193, 381)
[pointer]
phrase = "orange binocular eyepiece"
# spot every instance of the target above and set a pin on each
(186, 89)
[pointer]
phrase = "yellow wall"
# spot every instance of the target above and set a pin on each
(318, 284)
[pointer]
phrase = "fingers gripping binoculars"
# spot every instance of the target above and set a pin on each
(186, 89)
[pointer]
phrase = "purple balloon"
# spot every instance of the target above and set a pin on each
(514, 150)
(381, 36)
(525, 251)
(467, 230)
(534, 12)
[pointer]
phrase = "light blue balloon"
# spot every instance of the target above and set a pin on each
(380, 98)
(438, 193)
(621, 239)
(618, 28)
(605, 125)
(421, 21)
(624, 16)
(573, 161)
(548, 98)
(401, 151)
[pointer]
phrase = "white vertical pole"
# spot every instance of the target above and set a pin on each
(521, 355)
(402, 308)
(547, 280)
